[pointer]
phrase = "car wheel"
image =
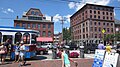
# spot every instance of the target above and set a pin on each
(41, 52)
(88, 51)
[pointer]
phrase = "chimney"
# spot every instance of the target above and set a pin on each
(17, 17)
(51, 18)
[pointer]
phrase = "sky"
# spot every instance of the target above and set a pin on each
(9, 9)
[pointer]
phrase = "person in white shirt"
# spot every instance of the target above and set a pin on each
(22, 52)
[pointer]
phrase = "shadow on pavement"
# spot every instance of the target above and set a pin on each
(37, 58)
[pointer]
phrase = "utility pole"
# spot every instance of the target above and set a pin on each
(62, 22)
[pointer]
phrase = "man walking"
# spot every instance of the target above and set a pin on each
(101, 46)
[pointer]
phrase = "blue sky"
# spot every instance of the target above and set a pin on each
(9, 9)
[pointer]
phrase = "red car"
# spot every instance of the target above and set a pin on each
(71, 55)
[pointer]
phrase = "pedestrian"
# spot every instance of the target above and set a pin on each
(65, 59)
(101, 46)
(22, 53)
(108, 48)
(7, 44)
(17, 52)
(3, 51)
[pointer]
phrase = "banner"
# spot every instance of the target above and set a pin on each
(110, 59)
(98, 58)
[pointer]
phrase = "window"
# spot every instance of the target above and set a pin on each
(107, 18)
(17, 25)
(91, 29)
(90, 11)
(106, 13)
(86, 29)
(107, 29)
(98, 23)
(83, 30)
(107, 24)
(99, 35)
(44, 26)
(32, 12)
(94, 16)
(95, 28)
(90, 16)
(98, 17)
(82, 14)
(94, 12)
(98, 12)
(99, 29)
(24, 25)
(94, 23)
(36, 13)
(103, 23)
(110, 14)
(44, 33)
(38, 26)
(111, 24)
(103, 13)
(86, 12)
(49, 25)
(103, 17)
(111, 18)
(111, 29)
(83, 24)
(34, 26)
(28, 25)
(90, 22)
(49, 33)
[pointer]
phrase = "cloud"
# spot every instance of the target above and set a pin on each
(7, 11)
(118, 0)
(77, 6)
(57, 18)
(10, 10)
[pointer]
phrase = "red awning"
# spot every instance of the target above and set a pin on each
(45, 39)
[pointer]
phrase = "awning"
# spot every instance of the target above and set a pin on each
(45, 39)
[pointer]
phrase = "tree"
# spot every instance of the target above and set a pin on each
(66, 34)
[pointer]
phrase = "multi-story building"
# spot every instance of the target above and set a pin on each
(35, 20)
(57, 39)
(88, 22)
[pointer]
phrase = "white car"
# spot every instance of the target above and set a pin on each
(46, 46)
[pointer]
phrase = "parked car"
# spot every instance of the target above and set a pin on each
(41, 50)
(46, 46)
(73, 46)
(71, 55)
(88, 48)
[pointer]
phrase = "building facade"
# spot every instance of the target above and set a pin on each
(88, 22)
(35, 20)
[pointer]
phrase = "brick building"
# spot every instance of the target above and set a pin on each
(35, 20)
(88, 22)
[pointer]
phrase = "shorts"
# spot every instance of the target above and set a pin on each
(67, 65)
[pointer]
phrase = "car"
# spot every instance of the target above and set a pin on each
(73, 47)
(46, 46)
(41, 50)
(90, 47)
(71, 55)
(66, 46)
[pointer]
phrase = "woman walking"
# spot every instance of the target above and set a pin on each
(65, 59)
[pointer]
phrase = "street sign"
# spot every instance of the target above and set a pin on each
(103, 31)
(98, 58)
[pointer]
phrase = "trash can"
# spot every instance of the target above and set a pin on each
(81, 51)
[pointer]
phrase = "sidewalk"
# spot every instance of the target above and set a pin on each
(52, 63)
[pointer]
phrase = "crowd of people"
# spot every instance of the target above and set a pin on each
(19, 51)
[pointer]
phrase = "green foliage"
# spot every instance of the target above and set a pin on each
(112, 37)
(66, 34)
